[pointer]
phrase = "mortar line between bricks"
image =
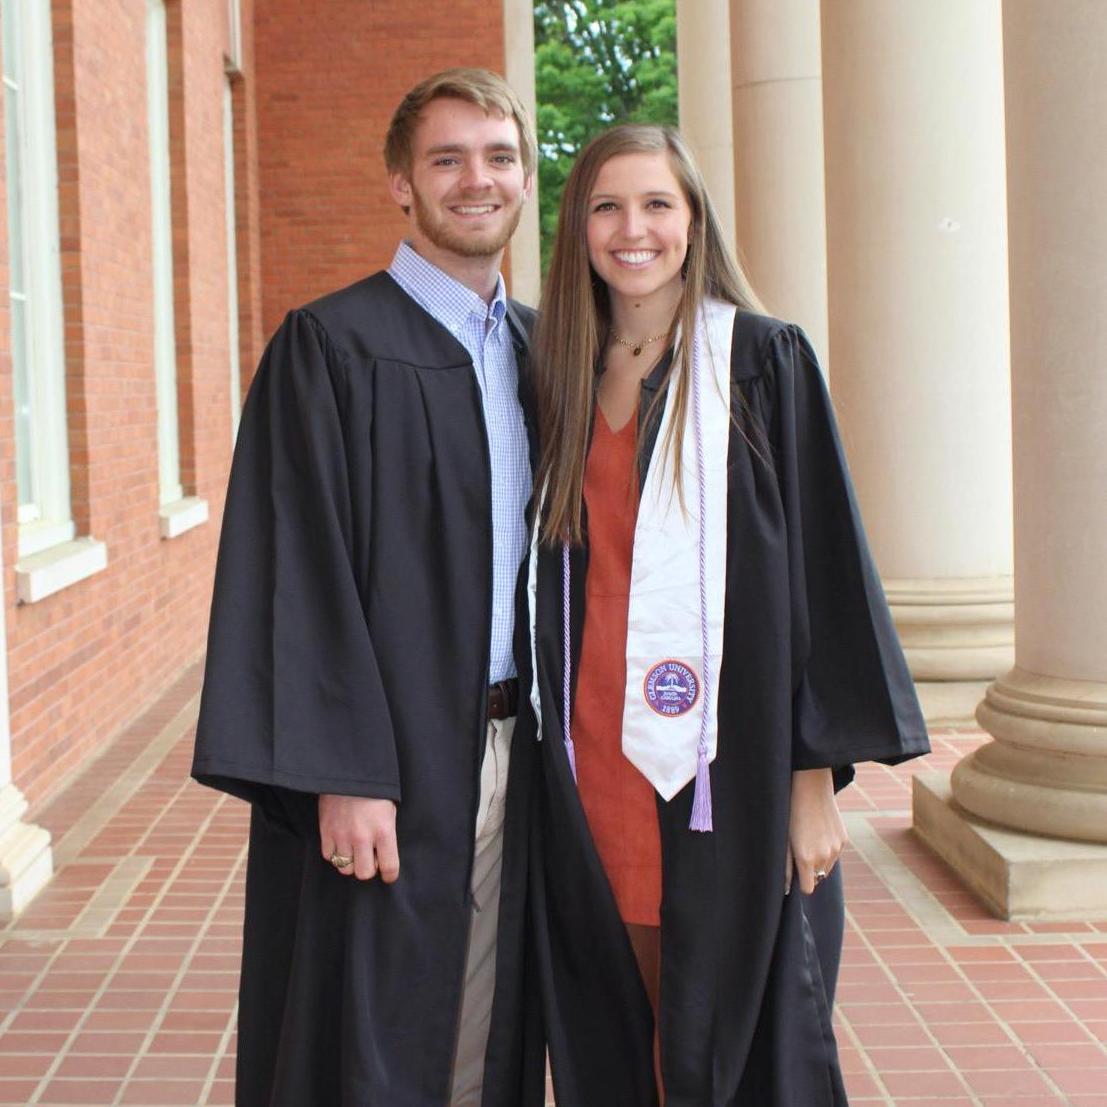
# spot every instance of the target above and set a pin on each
(1019, 1044)
(10, 1017)
(1030, 967)
(905, 999)
(931, 915)
(108, 900)
(1078, 940)
(133, 777)
(980, 997)
(863, 1053)
(186, 961)
(220, 1052)
(1088, 957)
(128, 945)
(943, 950)
(233, 1020)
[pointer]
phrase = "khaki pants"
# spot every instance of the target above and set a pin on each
(480, 962)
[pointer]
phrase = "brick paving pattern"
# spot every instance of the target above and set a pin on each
(117, 985)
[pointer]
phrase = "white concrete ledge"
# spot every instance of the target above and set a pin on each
(1018, 876)
(26, 863)
(45, 573)
(182, 515)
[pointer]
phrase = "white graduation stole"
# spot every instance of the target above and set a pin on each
(674, 649)
(677, 591)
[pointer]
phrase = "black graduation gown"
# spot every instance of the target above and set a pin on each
(348, 653)
(812, 677)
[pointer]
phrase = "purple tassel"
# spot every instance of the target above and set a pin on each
(571, 753)
(701, 799)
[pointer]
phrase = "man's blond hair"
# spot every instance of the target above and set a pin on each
(482, 87)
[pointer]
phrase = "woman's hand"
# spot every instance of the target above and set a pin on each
(816, 833)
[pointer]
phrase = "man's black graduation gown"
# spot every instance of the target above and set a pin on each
(812, 676)
(348, 653)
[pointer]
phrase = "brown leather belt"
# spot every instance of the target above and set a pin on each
(503, 698)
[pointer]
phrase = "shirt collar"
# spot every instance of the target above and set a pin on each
(447, 299)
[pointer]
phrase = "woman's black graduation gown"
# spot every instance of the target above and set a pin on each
(812, 676)
(348, 653)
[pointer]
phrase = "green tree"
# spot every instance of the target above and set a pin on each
(597, 62)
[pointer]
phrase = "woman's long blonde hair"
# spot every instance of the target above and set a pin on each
(575, 318)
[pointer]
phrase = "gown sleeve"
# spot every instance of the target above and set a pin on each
(292, 703)
(853, 696)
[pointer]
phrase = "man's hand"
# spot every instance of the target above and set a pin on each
(816, 833)
(364, 829)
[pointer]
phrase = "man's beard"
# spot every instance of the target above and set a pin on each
(485, 245)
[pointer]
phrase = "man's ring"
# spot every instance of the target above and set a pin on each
(820, 875)
(340, 861)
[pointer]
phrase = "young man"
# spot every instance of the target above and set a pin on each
(359, 688)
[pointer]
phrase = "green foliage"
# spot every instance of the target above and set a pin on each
(597, 62)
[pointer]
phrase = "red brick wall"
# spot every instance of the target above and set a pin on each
(319, 83)
(329, 77)
(85, 660)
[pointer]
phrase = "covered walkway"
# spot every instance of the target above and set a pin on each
(117, 985)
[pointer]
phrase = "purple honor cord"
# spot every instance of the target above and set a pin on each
(701, 800)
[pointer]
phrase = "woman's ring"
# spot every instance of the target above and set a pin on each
(340, 861)
(820, 875)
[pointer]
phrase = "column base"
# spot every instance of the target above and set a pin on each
(26, 860)
(955, 629)
(950, 702)
(1019, 877)
(1046, 771)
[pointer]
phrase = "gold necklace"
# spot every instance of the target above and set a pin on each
(636, 347)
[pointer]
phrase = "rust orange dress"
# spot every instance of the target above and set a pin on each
(618, 801)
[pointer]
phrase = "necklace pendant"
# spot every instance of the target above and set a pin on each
(637, 350)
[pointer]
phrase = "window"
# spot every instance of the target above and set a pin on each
(38, 356)
(165, 345)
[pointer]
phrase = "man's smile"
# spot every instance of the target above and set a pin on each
(474, 210)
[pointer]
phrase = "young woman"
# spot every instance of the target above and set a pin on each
(710, 651)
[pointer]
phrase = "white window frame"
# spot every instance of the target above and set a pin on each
(45, 513)
(234, 36)
(232, 254)
(165, 338)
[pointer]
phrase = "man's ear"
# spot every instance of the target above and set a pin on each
(400, 187)
(528, 186)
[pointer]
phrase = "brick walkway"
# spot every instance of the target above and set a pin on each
(117, 985)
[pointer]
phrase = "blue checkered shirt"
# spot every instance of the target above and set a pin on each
(484, 332)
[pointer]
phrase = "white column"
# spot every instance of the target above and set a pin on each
(26, 861)
(1046, 771)
(703, 87)
(525, 253)
(917, 262)
(776, 71)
